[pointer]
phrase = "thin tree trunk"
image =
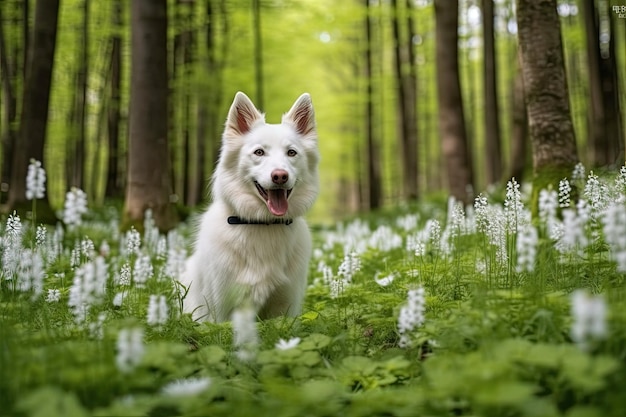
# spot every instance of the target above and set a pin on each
(373, 157)
(149, 180)
(114, 181)
(451, 118)
(519, 132)
(34, 118)
(258, 53)
(407, 118)
(491, 112)
(9, 112)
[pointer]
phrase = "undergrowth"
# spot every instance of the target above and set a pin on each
(90, 320)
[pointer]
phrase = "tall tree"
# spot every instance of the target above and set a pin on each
(9, 108)
(76, 144)
(451, 118)
(545, 88)
(258, 53)
(373, 157)
(114, 181)
(406, 82)
(149, 180)
(604, 127)
(34, 117)
(519, 130)
(491, 112)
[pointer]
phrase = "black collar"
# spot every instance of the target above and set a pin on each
(238, 220)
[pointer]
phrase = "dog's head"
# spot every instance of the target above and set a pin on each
(268, 171)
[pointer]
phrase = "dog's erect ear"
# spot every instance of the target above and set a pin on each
(302, 115)
(242, 114)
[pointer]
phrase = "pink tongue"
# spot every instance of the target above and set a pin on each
(277, 202)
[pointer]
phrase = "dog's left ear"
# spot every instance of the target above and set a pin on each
(302, 115)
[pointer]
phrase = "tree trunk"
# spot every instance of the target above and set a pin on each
(149, 181)
(405, 86)
(258, 53)
(451, 118)
(373, 156)
(78, 168)
(519, 134)
(9, 112)
(114, 181)
(34, 118)
(491, 113)
(545, 88)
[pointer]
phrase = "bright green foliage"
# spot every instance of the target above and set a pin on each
(495, 340)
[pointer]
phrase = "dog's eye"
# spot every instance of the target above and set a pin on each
(259, 152)
(291, 152)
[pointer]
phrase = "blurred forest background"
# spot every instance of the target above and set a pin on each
(412, 97)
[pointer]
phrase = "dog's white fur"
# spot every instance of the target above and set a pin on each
(260, 265)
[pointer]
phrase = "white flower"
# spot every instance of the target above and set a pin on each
(30, 272)
(579, 172)
(118, 299)
(573, 239)
(349, 266)
(123, 277)
(40, 235)
(89, 286)
(614, 227)
(130, 349)
(513, 207)
(54, 295)
(411, 315)
(143, 270)
(597, 195)
(96, 328)
(35, 180)
(526, 245)
(245, 335)
(186, 387)
(158, 311)
(589, 314)
(384, 239)
(14, 228)
(564, 193)
(133, 241)
(75, 206)
(548, 204)
(287, 344)
(384, 281)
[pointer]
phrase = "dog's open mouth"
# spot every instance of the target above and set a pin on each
(275, 198)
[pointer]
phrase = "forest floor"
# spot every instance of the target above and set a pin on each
(418, 310)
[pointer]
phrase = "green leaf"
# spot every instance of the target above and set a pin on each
(51, 402)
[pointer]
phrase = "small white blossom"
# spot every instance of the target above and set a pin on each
(35, 181)
(30, 272)
(564, 193)
(614, 227)
(548, 205)
(385, 281)
(411, 315)
(526, 245)
(589, 314)
(245, 334)
(287, 344)
(186, 387)
(75, 207)
(123, 277)
(130, 349)
(143, 270)
(54, 295)
(96, 328)
(118, 299)
(158, 311)
(133, 241)
(578, 174)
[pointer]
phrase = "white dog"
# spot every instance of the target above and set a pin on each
(253, 246)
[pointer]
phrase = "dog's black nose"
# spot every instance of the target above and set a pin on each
(280, 176)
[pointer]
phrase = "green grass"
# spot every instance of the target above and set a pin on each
(495, 342)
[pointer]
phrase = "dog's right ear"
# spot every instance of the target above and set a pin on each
(242, 115)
